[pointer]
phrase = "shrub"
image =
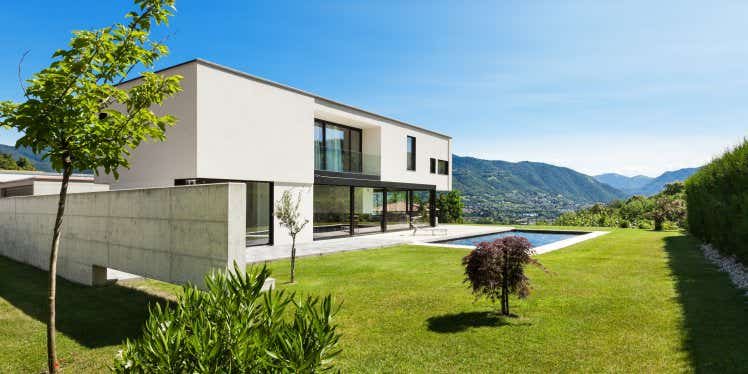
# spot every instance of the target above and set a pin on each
(496, 269)
(718, 203)
(234, 327)
(449, 207)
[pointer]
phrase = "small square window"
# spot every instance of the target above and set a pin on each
(443, 167)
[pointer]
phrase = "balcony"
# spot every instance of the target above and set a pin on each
(346, 162)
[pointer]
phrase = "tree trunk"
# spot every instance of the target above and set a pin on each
(293, 258)
(658, 224)
(505, 287)
(51, 342)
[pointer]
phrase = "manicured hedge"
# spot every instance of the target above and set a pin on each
(717, 198)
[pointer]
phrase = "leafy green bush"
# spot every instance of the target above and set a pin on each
(449, 207)
(718, 203)
(636, 211)
(235, 327)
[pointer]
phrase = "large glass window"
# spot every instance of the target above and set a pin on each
(337, 147)
(367, 212)
(258, 213)
(397, 210)
(411, 153)
(332, 211)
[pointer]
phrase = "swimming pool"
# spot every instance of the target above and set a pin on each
(536, 238)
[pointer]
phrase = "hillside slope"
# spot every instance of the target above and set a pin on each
(508, 191)
(39, 164)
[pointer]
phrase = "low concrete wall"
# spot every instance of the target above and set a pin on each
(173, 234)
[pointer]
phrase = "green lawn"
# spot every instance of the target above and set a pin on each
(632, 300)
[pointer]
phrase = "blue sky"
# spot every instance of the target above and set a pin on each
(628, 87)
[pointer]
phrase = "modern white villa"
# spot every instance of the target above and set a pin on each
(357, 172)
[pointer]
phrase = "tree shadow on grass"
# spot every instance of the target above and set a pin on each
(715, 313)
(92, 316)
(459, 322)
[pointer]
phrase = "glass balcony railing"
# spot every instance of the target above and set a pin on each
(343, 161)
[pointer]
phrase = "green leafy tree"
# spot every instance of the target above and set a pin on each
(496, 269)
(234, 327)
(289, 216)
(78, 115)
(449, 207)
(668, 209)
(24, 163)
(7, 162)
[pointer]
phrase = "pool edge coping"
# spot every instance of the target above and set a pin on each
(538, 250)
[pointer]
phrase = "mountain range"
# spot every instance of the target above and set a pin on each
(643, 185)
(512, 191)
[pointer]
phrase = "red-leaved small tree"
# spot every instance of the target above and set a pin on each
(496, 269)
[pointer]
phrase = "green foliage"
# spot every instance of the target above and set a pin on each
(666, 209)
(718, 203)
(8, 163)
(449, 207)
(77, 114)
(496, 269)
(235, 327)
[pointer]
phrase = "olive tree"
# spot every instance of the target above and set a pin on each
(288, 214)
(496, 269)
(78, 115)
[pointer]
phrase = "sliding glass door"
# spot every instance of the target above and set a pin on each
(337, 147)
(332, 211)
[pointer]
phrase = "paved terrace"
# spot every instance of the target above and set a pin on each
(321, 247)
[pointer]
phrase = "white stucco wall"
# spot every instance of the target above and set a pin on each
(53, 188)
(158, 164)
(252, 131)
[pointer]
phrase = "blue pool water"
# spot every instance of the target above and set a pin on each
(536, 238)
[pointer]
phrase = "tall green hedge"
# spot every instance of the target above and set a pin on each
(717, 198)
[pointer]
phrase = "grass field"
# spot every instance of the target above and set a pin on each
(633, 301)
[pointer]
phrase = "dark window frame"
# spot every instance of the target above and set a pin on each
(446, 167)
(432, 165)
(410, 157)
(323, 156)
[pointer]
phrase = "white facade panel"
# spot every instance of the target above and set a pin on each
(252, 131)
(158, 164)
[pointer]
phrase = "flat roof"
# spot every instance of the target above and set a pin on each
(18, 175)
(295, 90)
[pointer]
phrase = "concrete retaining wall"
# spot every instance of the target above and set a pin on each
(173, 234)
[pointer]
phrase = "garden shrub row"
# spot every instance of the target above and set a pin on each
(718, 203)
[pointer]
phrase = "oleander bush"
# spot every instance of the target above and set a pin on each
(234, 327)
(718, 203)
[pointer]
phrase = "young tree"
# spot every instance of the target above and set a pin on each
(76, 113)
(496, 269)
(288, 214)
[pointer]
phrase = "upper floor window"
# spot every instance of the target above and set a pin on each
(432, 165)
(337, 147)
(443, 167)
(411, 153)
